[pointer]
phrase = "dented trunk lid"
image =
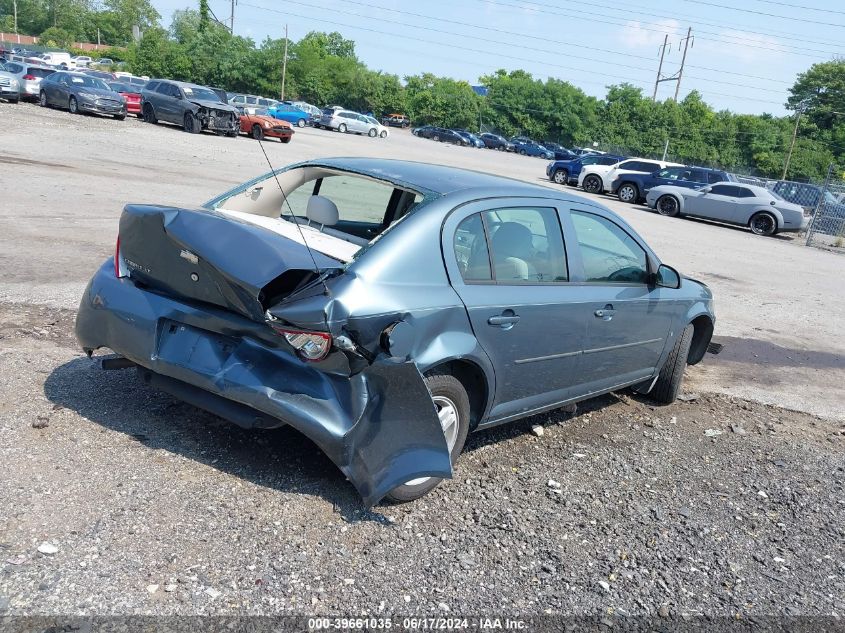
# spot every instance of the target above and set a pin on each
(206, 256)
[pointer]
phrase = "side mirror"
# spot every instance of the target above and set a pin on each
(705, 189)
(667, 277)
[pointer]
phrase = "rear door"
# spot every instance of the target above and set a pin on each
(507, 261)
(628, 320)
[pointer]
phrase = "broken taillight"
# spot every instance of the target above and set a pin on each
(310, 346)
(120, 269)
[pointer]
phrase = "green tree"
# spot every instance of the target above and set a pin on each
(56, 37)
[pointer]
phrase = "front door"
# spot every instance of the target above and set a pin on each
(628, 320)
(720, 203)
(507, 262)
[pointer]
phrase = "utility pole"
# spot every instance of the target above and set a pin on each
(285, 63)
(799, 111)
(15, 5)
(683, 60)
(665, 150)
(660, 67)
(232, 18)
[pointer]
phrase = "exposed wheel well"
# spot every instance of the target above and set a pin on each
(473, 380)
(700, 338)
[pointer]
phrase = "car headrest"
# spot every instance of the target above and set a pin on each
(322, 211)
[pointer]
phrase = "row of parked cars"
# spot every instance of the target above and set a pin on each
(674, 190)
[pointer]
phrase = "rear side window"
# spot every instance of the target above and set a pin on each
(526, 245)
(152, 86)
(471, 250)
(609, 254)
(745, 193)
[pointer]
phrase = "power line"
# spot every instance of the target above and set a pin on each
(770, 15)
(466, 48)
(531, 48)
(801, 6)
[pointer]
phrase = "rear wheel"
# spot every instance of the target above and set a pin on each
(257, 132)
(628, 192)
(452, 404)
(73, 106)
(372, 133)
(42, 99)
(763, 223)
(435, 138)
(592, 184)
(668, 206)
(672, 373)
(341, 128)
(190, 123)
(561, 176)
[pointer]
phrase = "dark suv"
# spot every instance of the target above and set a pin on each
(634, 187)
(565, 172)
(494, 141)
(195, 108)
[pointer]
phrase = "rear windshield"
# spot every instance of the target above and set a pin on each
(39, 72)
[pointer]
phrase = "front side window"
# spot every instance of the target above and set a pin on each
(609, 254)
(713, 177)
(526, 245)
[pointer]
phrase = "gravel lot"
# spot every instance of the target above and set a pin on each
(721, 505)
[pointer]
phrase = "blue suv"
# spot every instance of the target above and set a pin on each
(565, 172)
(634, 187)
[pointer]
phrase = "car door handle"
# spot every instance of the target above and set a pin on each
(505, 320)
(606, 313)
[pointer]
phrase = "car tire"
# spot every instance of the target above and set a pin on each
(149, 114)
(592, 184)
(342, 128)
(447, 394)
(300, 123)
(668, 205)
(190, 123)
(257, 132)
(285, 140)
(763, 223)
(672, 373)
(14, 101)
(119, 117)
(383, 134)
(73, 105)
(42, 99)
(561, 176)
(500, 149)
(628, 192)
(435, 138)
(372, 133)
(522, 152)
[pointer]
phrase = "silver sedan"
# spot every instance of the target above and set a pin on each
(761, 210)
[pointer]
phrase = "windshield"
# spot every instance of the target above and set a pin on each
(84, 81)
(118, 87)
(200, 94)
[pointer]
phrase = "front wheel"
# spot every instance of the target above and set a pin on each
(149, 114)
(522, 152)
(452, 405)
(191, 124)
(383, 134)
(342, 128)
(257, 132)
(672, 373)
(300, 123)
(73, 106)
(42, 99)
(120, 117)
(763, 223)
(372, 133)
(668, 206)
(628, 193)
(592, 184)
(561, 176)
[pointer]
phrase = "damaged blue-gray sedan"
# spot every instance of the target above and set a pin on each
(387, 308)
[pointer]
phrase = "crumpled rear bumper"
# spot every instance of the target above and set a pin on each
(378, 426)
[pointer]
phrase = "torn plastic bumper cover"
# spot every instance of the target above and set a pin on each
(379, 426)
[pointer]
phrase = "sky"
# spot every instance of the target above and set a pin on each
(743, 56)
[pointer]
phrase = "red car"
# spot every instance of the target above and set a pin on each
(131, 93)
(258, 123)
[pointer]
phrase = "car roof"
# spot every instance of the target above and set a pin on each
(438, 179)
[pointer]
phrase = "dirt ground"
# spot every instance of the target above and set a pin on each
(722, 504)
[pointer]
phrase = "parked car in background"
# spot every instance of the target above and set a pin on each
(516, 140)
(382, 130)
(258, 123)
(396, 120)
(803, 194)
(195, 108)
(229, 310)
(494, 141)
(348, 121)
(633, 187)
(763, 211)
(104, 61)
(566, 172)
(58, 59)
(425, 131)
(289, 113)
(533, 149)
(135, 81)
(252, 100)
(29, 78)
(10, 85)
(131, 93)
(80, 93)
(443, 135)
(471, 139)
(597, 178)
(99, 74)
(81, 61)
(314, 113)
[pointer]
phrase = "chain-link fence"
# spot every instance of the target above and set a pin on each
(827, 228)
